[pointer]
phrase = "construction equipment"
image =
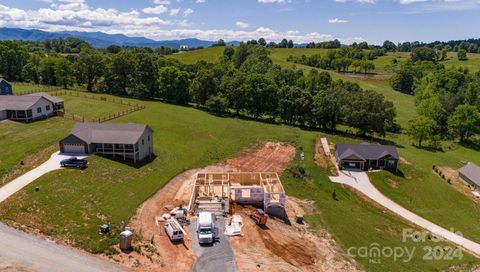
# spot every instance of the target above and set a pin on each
(260, 217)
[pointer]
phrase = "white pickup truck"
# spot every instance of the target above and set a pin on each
(206, 227)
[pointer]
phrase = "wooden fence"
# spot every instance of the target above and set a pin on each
(132, 107)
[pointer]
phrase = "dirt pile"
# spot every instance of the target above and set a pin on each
(286, 247)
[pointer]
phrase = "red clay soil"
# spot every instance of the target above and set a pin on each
(284, 247)
(281, 247)
(272, 157)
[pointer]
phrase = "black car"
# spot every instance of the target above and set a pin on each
(73, 162)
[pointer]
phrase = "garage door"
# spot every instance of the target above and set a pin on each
(74, 148)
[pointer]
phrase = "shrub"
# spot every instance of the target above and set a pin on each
(217, 104)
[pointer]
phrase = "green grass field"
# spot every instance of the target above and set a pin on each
(83, 107)
(71, 205)
(19, 140)
(19, 88)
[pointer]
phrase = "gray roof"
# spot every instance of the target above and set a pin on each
(472, 172)
(50, 98)
(18, 102)
(365, 151)
(25, 102)
(109, 133)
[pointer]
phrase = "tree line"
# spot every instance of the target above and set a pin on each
(341, 60)
(447, 100)
(244, 82)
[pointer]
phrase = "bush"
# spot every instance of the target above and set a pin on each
(217, 104)
(299, 171)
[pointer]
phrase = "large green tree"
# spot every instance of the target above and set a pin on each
(173, 84)
(421, 129)
(464, 122)
(91, 66)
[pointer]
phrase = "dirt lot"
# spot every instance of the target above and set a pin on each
(281, 247)
(272, 157)
(284, 247)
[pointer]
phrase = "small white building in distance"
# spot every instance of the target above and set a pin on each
(183, 47)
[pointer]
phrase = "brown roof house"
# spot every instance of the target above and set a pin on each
(127, 141)
(29, 107)
(470, 174)
(367, 156)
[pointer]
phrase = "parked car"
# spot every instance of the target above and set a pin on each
(73, 162)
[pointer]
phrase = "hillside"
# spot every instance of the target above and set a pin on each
(97, 39)
(112, 190)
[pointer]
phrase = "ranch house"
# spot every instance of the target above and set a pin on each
(30, 107)
(367, 156)
(127, 141)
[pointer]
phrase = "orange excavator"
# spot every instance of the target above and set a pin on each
(260, 217)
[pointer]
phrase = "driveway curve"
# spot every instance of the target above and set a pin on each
(17, 184)
(360, 181)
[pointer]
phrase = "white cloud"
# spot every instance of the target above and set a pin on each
(161, 2)
(187, 12)
(200, 1)
(337, 21)
(133, 23)
(155, 10)
(241, 24)
(174, 11)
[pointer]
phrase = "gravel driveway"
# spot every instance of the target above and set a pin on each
(359, 180)
(17, 184)
(218, 257)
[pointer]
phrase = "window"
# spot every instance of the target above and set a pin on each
(39, 110)
(143, 142)
(149, 138)
(47, 107)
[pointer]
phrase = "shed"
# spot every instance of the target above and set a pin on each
(470, 174)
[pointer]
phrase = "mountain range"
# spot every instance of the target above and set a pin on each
(100, 39)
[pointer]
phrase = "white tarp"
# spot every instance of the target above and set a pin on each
(234, 228)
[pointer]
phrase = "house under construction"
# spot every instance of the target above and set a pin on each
(215, 192)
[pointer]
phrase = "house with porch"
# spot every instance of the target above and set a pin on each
(367, 156)
(126, 141)
(30, 107)
(5, 87)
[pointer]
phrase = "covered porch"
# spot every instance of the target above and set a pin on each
(20, 115)
(125, 151)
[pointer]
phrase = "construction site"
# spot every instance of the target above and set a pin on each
(217, 191)
(241, 211)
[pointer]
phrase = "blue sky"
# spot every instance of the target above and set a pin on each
(300, 20)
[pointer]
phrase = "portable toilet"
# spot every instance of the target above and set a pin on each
(126, 239)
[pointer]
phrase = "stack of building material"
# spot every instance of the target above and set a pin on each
(234, 227)
(326, 148)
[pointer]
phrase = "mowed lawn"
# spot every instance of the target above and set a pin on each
(19, 88)
(71, 205)
(90, 109)
(20, 140)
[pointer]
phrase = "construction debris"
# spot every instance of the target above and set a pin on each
(234, 226)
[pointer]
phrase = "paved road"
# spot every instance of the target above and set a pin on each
(216, 258)
(17, 184)
(360, 181)
(23, 251)
(27, 252)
